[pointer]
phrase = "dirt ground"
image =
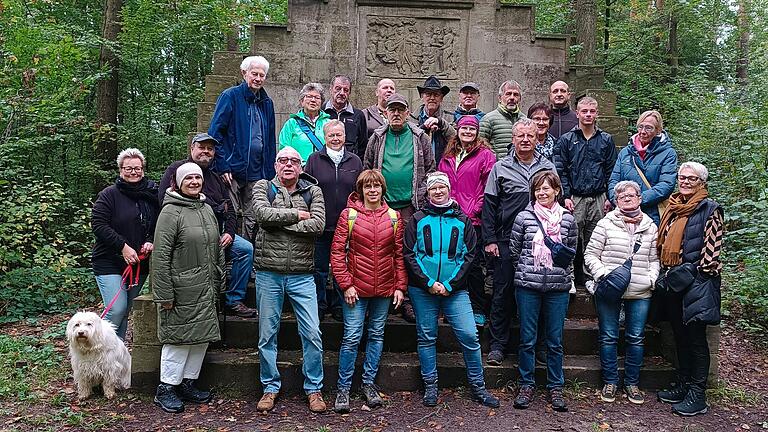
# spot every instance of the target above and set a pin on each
(739, 403)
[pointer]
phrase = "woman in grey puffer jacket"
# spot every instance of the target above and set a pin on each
(541, 286)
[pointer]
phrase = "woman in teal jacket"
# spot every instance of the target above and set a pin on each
(650, 161)
(304, 130)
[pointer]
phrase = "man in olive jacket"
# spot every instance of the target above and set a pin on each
(291, 214)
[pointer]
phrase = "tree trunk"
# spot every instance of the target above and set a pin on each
(742, 64)
(607, 29)
(673, 59)
(586, 31)
(107, 90)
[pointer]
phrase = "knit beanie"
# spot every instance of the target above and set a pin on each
(186, 169)
(436, 177)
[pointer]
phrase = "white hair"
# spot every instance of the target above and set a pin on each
(254, 61)
(624, 185)
(510, 84)
(696, 167)
(130, 153)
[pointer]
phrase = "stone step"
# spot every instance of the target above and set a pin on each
(236, 372)
(580, 337)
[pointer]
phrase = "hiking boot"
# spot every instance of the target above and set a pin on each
(167, 399)
(483, 396)
(608, 393)
(188, 392)
(479, 319)
(408, 314)
(634, 394)
(495, 357)
(430, 394)
(555, 398)
(524, 396)
(341, 405)
(674, 395)
(267, 402)
(695, 402)
(316, 402)
(337, 315)
(241, 310)
(372, 397)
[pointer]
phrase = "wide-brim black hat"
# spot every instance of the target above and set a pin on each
(432, 83)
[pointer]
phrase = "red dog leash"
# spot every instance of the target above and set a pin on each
(130, 280)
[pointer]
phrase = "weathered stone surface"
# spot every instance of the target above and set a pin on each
(606, 100)
(616, 126)
(144, 321)
(228, 63)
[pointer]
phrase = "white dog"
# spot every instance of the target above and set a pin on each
(98, 355)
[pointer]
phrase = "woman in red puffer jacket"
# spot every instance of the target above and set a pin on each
(367, 262)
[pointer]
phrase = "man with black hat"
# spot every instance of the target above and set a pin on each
(469, 94)
(202, 151)
(432, 118)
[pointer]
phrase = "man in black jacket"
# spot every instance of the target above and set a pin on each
(584, 158)
(239, 250)
(339, 108)
(563, 117)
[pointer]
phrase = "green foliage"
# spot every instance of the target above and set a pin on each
(28, 364)
(31, 291)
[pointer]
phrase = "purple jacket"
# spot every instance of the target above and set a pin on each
(468, 181)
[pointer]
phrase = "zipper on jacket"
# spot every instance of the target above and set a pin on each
(440, 254)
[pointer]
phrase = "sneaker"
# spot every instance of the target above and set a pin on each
(341, 405)
(634, 394)
(695, 402)
(267, 402)
(241, 310)
(316, 402)
(484, 397)
(188, 392)
(608, 393)
(372, 397)
(167, 399)
(524, 396)
(430, 395)
(674, 395)
(495, 357)
(479, 319)
(555, 398)
(407, 313)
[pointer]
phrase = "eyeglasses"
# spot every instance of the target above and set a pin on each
(627, 196)
(541, 119)
(646, 128)
(133, 169)
(689, 179)
(285, 160)
(313, 97)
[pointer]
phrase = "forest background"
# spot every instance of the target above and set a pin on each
(80, 79)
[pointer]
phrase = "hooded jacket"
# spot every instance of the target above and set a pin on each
(585, 165)
(231, 126)
(468, 180)
(336, 182)
(285, 244)
(373, 265)
(659, 166)
(610, 245)
(292, 135)
(187, 270)
(440, 246)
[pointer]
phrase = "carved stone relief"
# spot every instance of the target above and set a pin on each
(409, 47)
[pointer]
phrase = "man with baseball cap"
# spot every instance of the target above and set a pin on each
(202, 151)
(432, 118)
(469, 95)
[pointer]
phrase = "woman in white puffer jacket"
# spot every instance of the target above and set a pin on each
(611, 244)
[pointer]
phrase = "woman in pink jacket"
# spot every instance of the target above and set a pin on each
(467, 161)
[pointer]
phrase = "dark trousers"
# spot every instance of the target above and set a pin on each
(476, 279)
(691, 344)
(327, 299)
(503, 306)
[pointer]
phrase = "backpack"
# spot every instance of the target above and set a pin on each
(352, 216)
(272, 193)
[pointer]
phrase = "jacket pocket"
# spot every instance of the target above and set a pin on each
(453, 243)
(427, 232)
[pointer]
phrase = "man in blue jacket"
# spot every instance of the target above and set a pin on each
(244, 125)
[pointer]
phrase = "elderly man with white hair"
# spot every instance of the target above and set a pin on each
(243, 123)
(291, 214)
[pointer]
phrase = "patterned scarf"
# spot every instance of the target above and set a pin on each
(335, 155)
(670, 246)
(550, 219)
(631, 218)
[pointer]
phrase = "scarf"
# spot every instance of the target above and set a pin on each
(550, 219)
(335, 155)
(670, 241)
(642, 151)
(145, 194)
(631, 218)
(504, 110)
(442, 206)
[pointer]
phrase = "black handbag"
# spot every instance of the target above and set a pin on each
(562, 255)
(678, 278)
(612, 286)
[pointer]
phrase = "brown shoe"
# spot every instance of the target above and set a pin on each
(316, 402)
(267, 402)
(241, 310)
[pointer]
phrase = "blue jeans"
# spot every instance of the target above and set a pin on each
(109, 285)
(327, 299)
(635, 312)
(271, 290)
(458, 311)
(241, 253)
(354, 318)
(553, 306)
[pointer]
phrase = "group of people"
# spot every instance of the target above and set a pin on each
(415, 210)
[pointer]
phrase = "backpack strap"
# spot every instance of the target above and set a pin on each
(310, 134)
(272, 194)
(351, 216)
(393, 218)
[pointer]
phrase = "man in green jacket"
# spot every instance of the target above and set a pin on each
(291, 213)
(496, 126)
